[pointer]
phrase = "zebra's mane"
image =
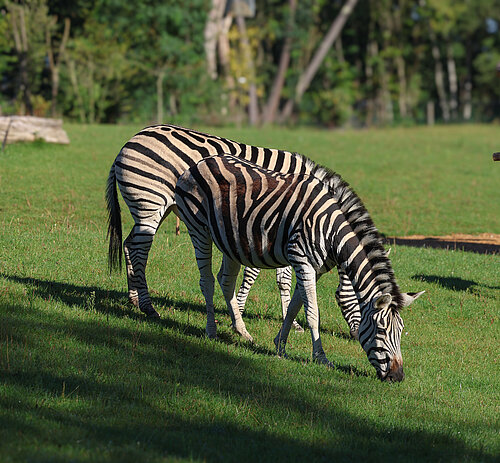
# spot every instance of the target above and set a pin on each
(362, 225)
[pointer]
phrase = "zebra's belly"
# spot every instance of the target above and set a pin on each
(252, 254)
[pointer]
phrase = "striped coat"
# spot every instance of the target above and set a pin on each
(146, 171)
(313, 222)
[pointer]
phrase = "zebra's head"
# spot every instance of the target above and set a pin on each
(380, 335)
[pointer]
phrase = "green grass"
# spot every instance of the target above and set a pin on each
(84, 378)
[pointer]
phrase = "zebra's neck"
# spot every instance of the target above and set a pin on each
(357, 246)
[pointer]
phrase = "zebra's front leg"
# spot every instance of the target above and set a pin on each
(203, 251)
(136, 249)
(227, 280)
(306, 282)
(284, 282)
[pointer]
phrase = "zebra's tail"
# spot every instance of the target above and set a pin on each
(114, 223)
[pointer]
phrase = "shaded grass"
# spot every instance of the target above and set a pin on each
(83, 377)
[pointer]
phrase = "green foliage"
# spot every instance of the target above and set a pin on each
(333, 104)
(83, 377)
(96, 73)
(488, 77)
(128, 61)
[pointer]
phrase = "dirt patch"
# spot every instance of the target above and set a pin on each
(485, 243)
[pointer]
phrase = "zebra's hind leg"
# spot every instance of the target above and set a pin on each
(284, 282)
(292, 311)
(136, 249)
(348, 303)
(250, 274)
(227, 280)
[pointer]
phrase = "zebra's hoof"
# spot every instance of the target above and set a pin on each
(211, 333)
(280, 347)
(322, 360)
(297, 327)
(154, 315)
(243, 333)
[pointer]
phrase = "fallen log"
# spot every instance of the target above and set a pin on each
(30, 128)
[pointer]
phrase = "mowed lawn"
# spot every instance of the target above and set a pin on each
(84, 377)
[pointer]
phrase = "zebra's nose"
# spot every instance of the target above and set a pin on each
(395, 375)
(396, 372)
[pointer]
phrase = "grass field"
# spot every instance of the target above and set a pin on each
(83, 377)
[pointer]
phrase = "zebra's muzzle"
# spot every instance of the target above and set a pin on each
(396, 372)
(396, 375)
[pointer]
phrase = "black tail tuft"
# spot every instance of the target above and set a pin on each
(114, 223)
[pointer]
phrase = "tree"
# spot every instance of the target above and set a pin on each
(307, 76)
(54, 59)
(271, 108)
(27, 21)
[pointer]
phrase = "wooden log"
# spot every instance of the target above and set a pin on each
(496, 156)
(30, 128)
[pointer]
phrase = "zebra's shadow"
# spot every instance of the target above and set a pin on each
(451, 282)
(115, 303)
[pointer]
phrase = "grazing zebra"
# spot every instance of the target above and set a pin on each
(146, 170)
(265, 219)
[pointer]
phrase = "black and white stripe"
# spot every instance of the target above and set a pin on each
(146, 170)
(313, 222)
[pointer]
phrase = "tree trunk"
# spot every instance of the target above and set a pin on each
(307, 76)
(439, 79)
(253, 107)
(403, 106)
(370, 84)
(211, 33)
(172, 104)
(271, 108)
(160, 76)
(92, 108)
(467, 95)
(54, 63)
(400, 62)
(430, 113)
(453, 81)
(339, 48)
(19, 32)
(76, 90)
(224, 51)
(385, 107)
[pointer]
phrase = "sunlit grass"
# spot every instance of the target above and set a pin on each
(84, 377)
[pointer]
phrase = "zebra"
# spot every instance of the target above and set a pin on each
(313, 222)
(146, 171)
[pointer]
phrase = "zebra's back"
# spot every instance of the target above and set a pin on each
(149, 164)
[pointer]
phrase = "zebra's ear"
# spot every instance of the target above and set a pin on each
(382, 302)
(408, 298)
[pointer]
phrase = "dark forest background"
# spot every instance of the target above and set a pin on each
(324, 62)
